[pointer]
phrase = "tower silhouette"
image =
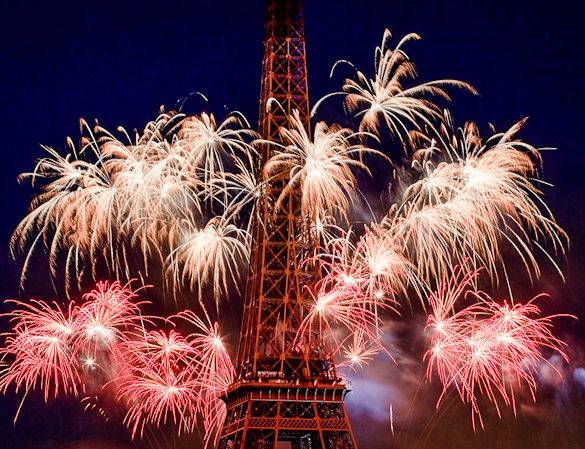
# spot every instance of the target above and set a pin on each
(287, 394)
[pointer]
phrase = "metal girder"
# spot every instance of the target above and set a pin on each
(274, 295)
(284, 397)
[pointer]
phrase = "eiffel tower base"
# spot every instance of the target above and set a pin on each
(287, 416)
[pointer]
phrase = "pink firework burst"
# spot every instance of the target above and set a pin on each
(108, 317)
(157, 393)
(215, 372)
(486, 349)
(211, 356)
(342, 309)
(38, 350)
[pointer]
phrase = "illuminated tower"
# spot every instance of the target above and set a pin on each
(285, 396)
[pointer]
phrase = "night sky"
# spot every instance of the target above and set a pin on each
(118, 62)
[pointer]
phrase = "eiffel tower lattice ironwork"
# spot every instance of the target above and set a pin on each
(286, 395)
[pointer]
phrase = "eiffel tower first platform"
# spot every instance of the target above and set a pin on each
(286, 395)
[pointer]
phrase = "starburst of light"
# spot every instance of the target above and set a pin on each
(486, 348)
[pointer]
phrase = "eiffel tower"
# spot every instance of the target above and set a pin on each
(286, 396)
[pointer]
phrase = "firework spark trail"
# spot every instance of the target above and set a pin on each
(38, 350)
(213, 252)
(321, 166)
(92, 403)
(109, 199)
(159, 377)
(384, 99)
(486, 348)
(474, 197)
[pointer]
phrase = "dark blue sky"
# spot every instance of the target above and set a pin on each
(119, 61)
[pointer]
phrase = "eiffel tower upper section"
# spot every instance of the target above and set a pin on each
(274, 304)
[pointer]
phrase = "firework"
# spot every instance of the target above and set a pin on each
(206, 145)
(476, 197)
(111, 199)
(38, 350)
(384, 99)
(389, 273)
(108, 199)
(360, 350)
(323, 229)
(215, 367)
(157, 347)
(183, 195)
(157, 393)
(486, 348)
(107, 318)
(243, 187)
(158, 377)
(157, 382)
(209, 255)
(169, 378)
(322, 167)
(215, 374)
(49, 347)
(342, 307)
